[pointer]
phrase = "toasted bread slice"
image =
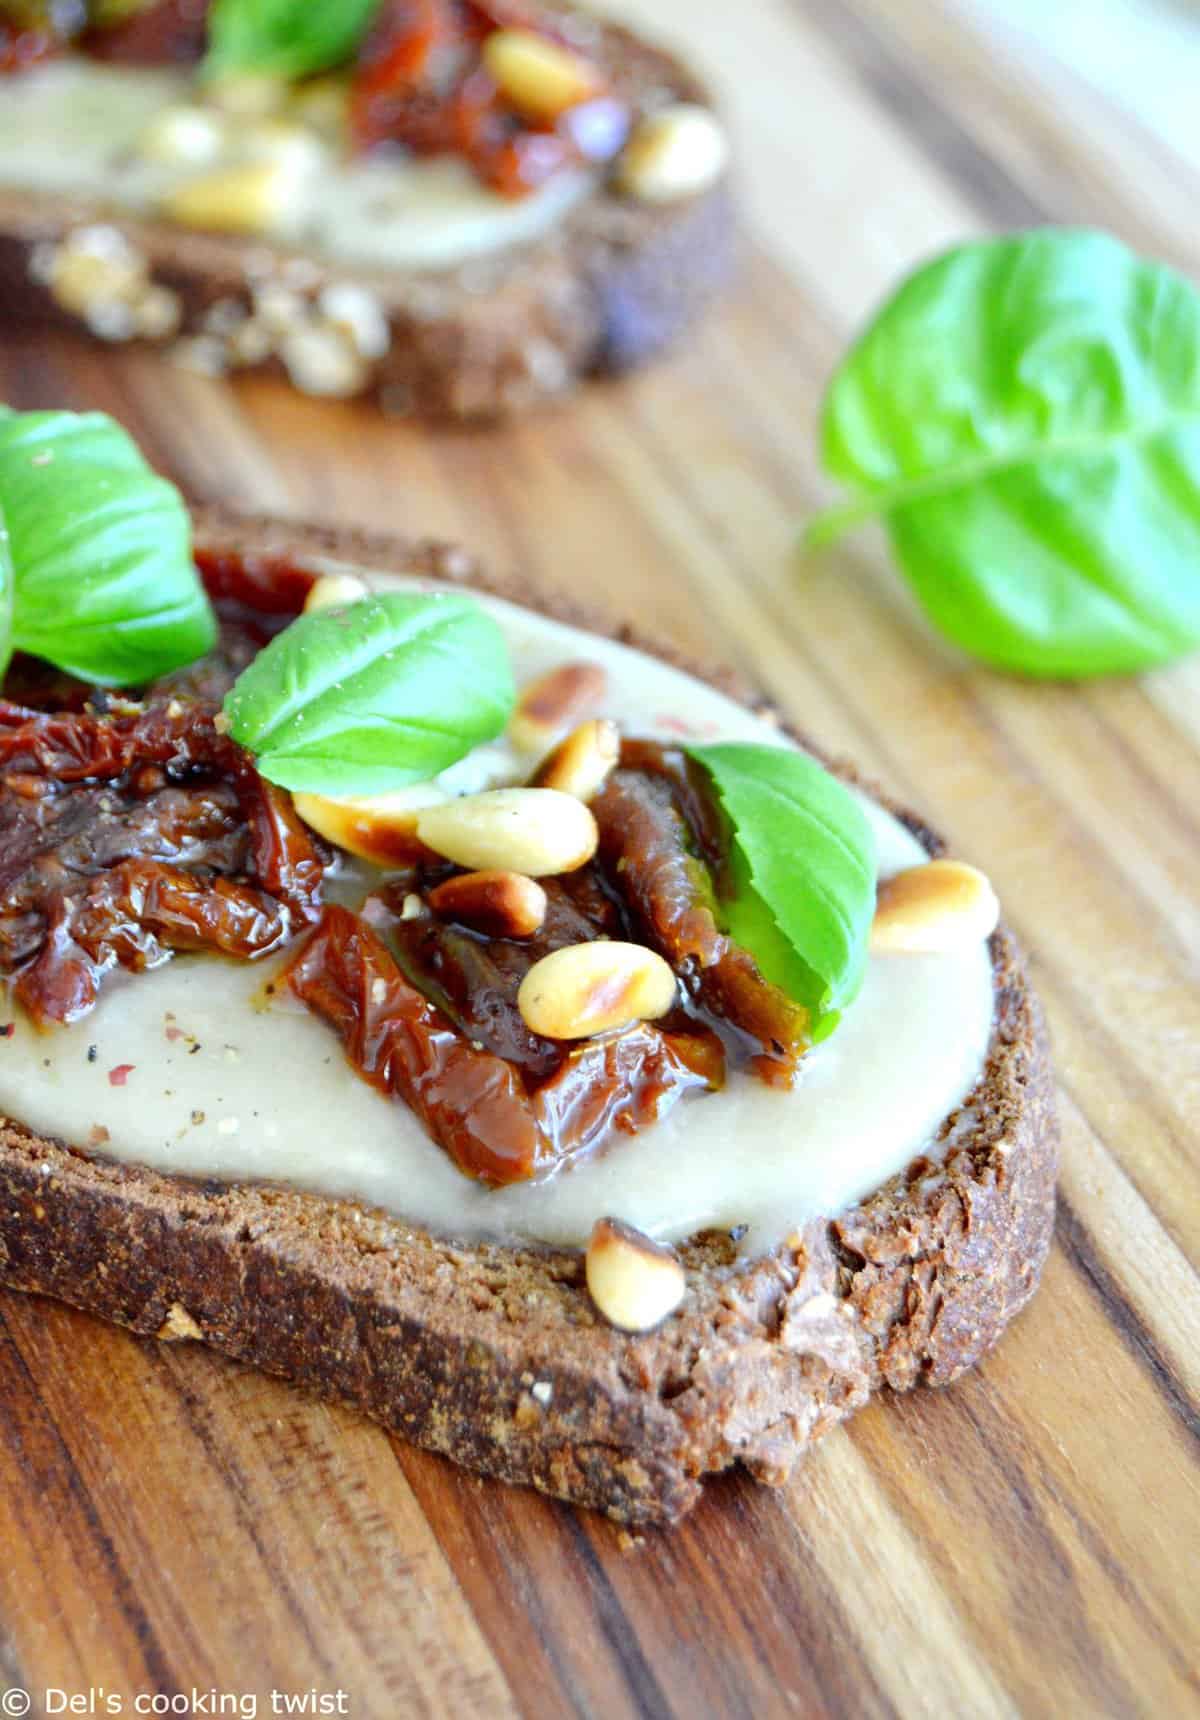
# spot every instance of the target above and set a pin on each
(613, 282)
(494, 1355)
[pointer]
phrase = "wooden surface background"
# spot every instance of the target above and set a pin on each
(1027, 1542)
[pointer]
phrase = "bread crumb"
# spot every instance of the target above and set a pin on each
(178, 1324)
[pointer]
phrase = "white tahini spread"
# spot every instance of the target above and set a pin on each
(72, 128)
(223, 1087)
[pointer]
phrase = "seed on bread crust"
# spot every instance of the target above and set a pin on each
(677, 152)
(634, 1282)
(942, 905)
(582, 764)
(501, 904)
(585, 989)
(537, 831)
(553, 702)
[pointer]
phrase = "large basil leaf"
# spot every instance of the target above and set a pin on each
(104, 582)
(370, 697)
(1024, 414)
(286, 38)
(802, 871)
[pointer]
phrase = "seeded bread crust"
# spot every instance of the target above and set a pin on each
(610, 286)
(494, 1355)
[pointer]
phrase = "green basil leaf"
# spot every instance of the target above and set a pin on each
(802, 873)
(105, 587)
(374, 695)
(1024, 414)
(286, 38)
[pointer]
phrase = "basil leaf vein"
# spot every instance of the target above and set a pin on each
(1024, 414)
(375, 695)
(802, 873)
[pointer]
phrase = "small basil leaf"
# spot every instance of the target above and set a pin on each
(105, 587)
(802, 873)
(1024, 414)
(373, 696)
(286, 38)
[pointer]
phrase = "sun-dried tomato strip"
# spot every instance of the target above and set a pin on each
(420, 82)
(648, 847)
(183, 739)
(162, 33)
(645, 844)
(471, 1101)
(623, 1083)
(133, 916)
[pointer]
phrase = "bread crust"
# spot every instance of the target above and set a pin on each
(494, 1355)
(611, 285)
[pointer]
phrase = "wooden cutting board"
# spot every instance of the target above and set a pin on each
(1025, 1542)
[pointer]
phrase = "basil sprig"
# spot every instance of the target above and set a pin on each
(802, 873)
(1024, 417)
(373, 695)
(286, 38)
(102, 580)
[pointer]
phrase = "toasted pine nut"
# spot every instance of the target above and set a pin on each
(549, 705)
(249, 198)
(592, 988)
(634, 1282)
(333, 589)
(502, 904)
(539, 78)
(532, 830)
(380, 827)
(943, 905)
(157, 313)
(323, 104)
(322, 361)
(582, 763)
(184, 136)
(279, 140)
(248, 95)
(96, 266)
(675, 153)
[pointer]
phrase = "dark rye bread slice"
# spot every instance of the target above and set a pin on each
(611, 285)
(494, 1355)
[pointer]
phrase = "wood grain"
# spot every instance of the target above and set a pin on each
(1024, 1543)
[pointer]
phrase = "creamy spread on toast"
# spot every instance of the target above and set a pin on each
(213, 1068)
(75, 129)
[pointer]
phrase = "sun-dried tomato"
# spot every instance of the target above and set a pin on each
(20, 49)
(420, 82)
(476, 978)
(149, 832)
(471, 1101)
(165, 32)
(494, 1125)
(662, 837)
